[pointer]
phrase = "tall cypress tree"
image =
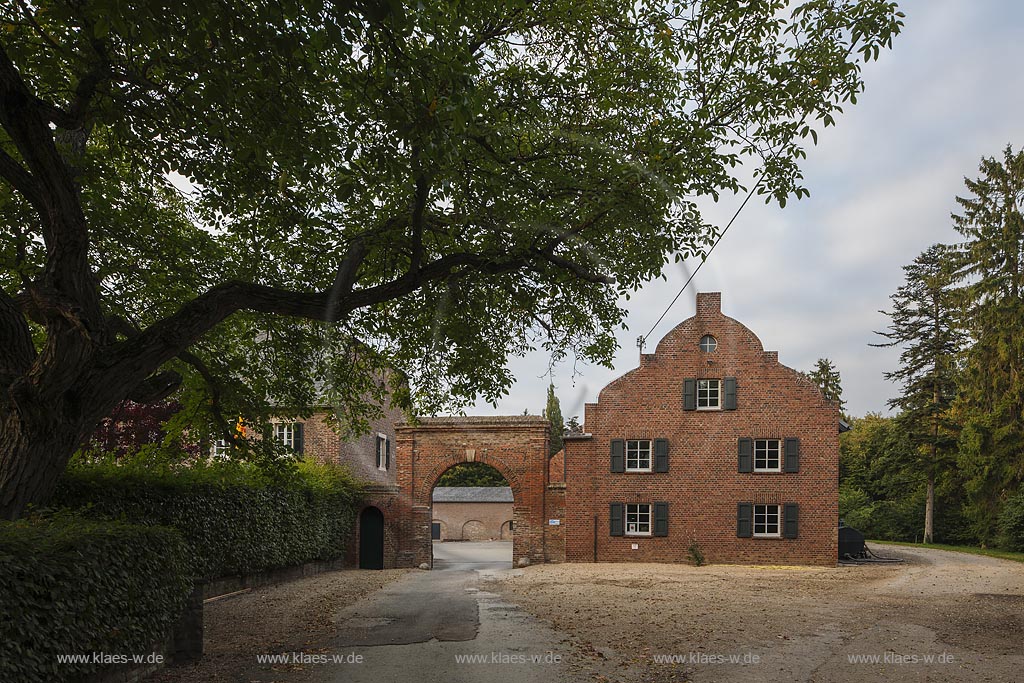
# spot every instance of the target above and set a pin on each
(991, 265)
(553, 412)
(925, 327)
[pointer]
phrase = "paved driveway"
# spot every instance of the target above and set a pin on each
(438, 626)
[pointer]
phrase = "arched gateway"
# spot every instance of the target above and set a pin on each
(515, 446)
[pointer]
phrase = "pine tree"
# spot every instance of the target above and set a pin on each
(826, 376)
(553, 412)
(924, 326)
(991, 266)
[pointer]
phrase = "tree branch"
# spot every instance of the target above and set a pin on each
(576, 269)
(20, 179)
(55, 198)
(214, 386)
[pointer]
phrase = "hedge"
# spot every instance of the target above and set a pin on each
(233, 517)
(71, 586)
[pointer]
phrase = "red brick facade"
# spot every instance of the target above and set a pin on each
(700, 485)
(703, 485)
(359, 454)
(515, 446)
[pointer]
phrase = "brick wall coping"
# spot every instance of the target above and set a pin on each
(475, 422)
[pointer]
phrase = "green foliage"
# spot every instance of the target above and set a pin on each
(826, 376)
(878, 495)
(499, 162)
(553, 412)
(74, 586)
(472, 474)
(991, 402)
(1011, 524)
(924, 326)
(236, 518)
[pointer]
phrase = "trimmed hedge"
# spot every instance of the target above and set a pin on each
(70, 586)
(234, 518)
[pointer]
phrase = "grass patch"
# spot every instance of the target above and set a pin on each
(970, 549)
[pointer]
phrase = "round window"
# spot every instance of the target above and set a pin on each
(708, 343)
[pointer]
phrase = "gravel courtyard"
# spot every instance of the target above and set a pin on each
(619, 622)
(733, 623)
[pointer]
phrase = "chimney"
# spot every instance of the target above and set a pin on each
(709, 303)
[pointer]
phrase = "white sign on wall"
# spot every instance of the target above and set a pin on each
(554, 522)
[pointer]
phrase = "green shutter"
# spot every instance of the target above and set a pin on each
(661, 519)
(744, 520)
(615, 526)
(792, 463)
(618, 455)
(729, 402)
(745, 455)
(689, 394)
(298, 438)
(791, 514)
(387, 454)
(661, 455)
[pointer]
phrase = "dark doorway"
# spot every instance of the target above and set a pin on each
(371, 539)
(435, 531)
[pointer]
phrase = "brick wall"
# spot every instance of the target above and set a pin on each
(474, 521)
(703, 485)
(515, 446)
(359, 454)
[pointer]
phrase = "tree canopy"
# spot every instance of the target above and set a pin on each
(447, 183)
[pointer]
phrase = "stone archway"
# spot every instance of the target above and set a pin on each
(515, 446)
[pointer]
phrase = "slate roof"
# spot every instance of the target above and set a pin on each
(473, 494)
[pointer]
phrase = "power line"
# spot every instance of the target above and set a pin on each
(706, 256)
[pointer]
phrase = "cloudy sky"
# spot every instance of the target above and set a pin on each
(810, 279)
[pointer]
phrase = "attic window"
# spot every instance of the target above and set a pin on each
(708, 343)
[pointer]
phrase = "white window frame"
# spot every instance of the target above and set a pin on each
(639, 514)
(712, 346)
(382, 458)
(707, 394)
(765, 523)
(284, 433)
(638, 449)
(220, 449)
(765, 447)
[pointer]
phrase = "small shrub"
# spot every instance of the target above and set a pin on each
(695, 553)
(70, 586)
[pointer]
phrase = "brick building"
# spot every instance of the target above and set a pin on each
(370, 457)
(472, 513)
(710, 443)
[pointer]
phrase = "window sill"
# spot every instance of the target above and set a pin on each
(778, 471)
(647, 471)
(636, 535)
(768, 536)
(709, 410)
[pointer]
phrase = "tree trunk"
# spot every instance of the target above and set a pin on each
(929, 510)
(33, 454)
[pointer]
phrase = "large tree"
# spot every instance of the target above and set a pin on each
(826, 376)
(991, 265)
(924, 325)
(445, 183)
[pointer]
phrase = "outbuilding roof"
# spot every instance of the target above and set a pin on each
(473, 494)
